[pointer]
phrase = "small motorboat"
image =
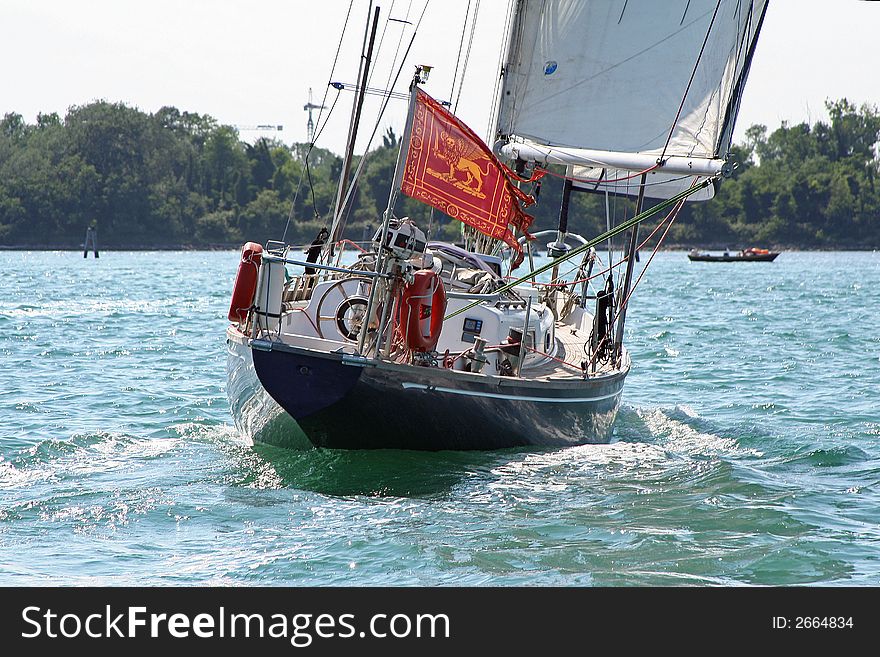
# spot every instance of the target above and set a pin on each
(746, 255)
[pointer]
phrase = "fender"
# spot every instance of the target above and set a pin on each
(245, 282)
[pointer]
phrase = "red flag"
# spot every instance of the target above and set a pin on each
(450, 168)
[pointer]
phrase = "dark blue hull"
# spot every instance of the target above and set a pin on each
(343, 402)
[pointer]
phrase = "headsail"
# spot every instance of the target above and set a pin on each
(598, 85)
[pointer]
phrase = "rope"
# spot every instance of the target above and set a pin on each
(333, 67)
(399, 42)
(354, 244)
(467, 55)
(600, 181)
(379, 47)
(624, 226)
(671, 217)
(321, 129)
(610, 268)
(460, 44)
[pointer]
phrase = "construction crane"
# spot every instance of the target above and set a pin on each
(310, 125)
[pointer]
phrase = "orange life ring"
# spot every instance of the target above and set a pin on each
(245, 282)
(422, 305)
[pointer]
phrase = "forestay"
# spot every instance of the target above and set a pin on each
(598, 85)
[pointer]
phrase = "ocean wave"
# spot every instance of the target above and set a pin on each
(831, 457)
(82, 454)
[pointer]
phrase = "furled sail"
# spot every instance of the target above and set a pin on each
(598, 85)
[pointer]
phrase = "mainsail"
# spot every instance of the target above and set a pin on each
(615, 86)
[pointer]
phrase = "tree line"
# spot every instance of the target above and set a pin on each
(180, 179)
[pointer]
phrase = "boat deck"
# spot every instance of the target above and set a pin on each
(569, 350)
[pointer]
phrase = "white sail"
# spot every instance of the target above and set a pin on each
(598, 85)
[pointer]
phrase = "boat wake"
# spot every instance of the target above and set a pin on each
(681, 431)
(375, 473)
(647, 440)
(82, 454)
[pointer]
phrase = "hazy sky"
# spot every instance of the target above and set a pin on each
(252, 63)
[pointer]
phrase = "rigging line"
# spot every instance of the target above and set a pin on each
(671, 217)
(292, 205)
(611, 267)
(467, 55)
(305, 167)
(739, 46)
(312, 189)
(379, 47)
(608, 227)
(599, 181)
(579, 368)
(693, 74)
(324, 125)
(494, 115)
(335, 59)
(626, 225)
(686, 7)
(624, 184)
(354, 119)
(354, 183)
(399, 42)
(460, 44)
(320, 112)
(741, 22)
(388, 87)
(656, 183)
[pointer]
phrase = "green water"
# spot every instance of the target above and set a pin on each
(747, 450)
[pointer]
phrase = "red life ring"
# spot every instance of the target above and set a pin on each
(245, 282)
(422, 306)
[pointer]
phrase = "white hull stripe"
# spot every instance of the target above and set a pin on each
(495, 395)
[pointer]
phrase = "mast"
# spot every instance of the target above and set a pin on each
(382, 261)
(559, 248)
(352, 136)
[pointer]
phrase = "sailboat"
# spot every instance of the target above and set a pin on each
(426, 345)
